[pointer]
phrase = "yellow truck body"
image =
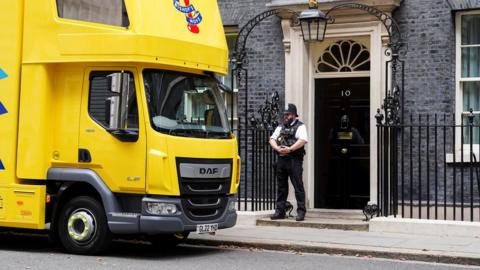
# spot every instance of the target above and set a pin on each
(60, 71)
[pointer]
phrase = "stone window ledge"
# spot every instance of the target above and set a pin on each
(464, 4)
(466, 155)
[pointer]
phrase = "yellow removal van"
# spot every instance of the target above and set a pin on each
(112, 121)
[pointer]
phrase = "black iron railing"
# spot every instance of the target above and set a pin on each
(258, 185)
(428, 167)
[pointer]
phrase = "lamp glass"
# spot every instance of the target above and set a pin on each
(313, 23)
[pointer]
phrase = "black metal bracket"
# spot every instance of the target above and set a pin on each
(269, 113)
(240, 59)
(240, 53)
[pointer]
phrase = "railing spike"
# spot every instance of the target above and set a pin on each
(471, 116)
(379, 117)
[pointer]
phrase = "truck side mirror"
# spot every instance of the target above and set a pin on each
(117, 105)
(114, 82)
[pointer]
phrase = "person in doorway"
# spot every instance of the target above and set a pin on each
(288, 140)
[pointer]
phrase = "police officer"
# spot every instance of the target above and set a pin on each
(288, 140)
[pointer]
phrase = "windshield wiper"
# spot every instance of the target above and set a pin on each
(218, 134)
(195, 132)
(192, 132)
(164, 130)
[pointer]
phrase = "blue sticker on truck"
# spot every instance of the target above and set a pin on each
(3, 110)
(3, 75)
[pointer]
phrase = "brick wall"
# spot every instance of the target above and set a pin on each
(429, 30)
(265, 52)
(428, 27)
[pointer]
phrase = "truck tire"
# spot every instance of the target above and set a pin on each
(83, 227)
(167, 241)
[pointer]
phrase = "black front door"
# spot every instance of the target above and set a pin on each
(342, 143)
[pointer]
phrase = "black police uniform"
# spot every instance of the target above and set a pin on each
(290, 165)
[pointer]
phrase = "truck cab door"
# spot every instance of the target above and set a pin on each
(112, 140)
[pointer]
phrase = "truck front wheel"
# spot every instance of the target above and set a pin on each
(83, 227)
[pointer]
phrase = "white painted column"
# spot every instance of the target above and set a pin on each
(287, 44)
(377, 82)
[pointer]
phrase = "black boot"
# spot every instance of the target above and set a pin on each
(300, 216)
(279, 214)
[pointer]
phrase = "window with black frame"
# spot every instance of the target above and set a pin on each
(101, 100)
(468, 50)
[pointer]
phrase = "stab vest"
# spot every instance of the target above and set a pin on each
(287, 138)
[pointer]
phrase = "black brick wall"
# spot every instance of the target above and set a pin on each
(265, 51)
(430, 65)
(429, 29)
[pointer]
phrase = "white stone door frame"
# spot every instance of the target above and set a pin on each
(300, 86)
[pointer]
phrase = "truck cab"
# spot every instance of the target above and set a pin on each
(114, 122)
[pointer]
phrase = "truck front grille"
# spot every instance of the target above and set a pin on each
(196, 187)
(204, 208)
(203, 199)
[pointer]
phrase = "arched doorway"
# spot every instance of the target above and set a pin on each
(342, 124)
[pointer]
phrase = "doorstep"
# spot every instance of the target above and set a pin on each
(350, 220)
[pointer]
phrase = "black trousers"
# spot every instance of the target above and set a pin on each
(293, 168)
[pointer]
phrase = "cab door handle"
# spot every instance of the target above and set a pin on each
(84, 156)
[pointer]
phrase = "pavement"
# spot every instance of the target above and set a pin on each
(445, 249)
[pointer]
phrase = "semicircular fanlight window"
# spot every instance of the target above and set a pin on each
(344, 56)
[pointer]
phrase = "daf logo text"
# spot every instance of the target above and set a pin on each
(208, 170)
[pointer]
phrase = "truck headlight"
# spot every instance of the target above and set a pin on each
(161, 209)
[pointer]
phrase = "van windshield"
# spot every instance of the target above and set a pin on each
(186, 105)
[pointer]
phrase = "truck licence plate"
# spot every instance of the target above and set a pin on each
(207, 228)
